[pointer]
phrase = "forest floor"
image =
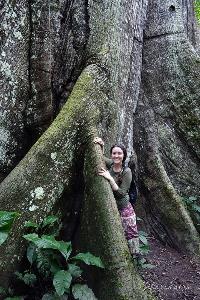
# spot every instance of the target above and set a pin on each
(175, 276)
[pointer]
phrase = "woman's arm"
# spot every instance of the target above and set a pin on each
(108, 161)
(121, 191)
(98, 140)
(106, 174)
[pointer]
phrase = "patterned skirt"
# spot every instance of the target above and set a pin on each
(128, 218)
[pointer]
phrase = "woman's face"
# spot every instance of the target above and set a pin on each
(117, 155)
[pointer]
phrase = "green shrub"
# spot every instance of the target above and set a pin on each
(51, 262)
(192, 204)
(6, 220)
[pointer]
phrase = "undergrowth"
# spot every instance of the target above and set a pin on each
(52, 271)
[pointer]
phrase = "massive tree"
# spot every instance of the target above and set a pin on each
(124, 70)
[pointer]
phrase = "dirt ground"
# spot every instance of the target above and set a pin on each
(174, 277)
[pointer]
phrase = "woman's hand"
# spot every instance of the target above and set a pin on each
(98, 140)
(105, 174)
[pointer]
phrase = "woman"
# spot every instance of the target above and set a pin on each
(120, 178)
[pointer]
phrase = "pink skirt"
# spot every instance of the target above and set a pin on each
(128, 218)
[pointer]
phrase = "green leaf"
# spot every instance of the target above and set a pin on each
(144, 249)
(3, 237)
(197, 9)
(54, 267)
(196, 207)
(43, 261)
(139, 219)
(143, 239)
(197, 216)
(186, 202)
(142, 261)
(2, 291)
(89, 259)
(62, 281)
(49, 296)
(192, 198)
(7, 217)
(82, 292)
(29, 224)
(28, 278)
(49, 221)
(30, 253)
(74, 270)
(19, 275)
(49, 242)
(6, 221)
(143, 233)
(32, 237)
(54, 296)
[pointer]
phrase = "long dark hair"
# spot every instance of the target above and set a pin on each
(123, 149)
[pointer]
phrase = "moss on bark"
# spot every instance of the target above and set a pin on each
(45, 172)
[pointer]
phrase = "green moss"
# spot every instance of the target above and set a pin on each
(197, 9)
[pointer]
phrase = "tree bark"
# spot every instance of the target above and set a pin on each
(14, 82)
(46, 170)
(50, 163)
(167, 119)
(130, 71)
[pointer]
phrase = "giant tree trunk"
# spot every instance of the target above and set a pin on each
(167, 119)
(50, 163)
(93, 55)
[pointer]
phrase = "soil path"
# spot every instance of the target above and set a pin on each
(174, 277)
